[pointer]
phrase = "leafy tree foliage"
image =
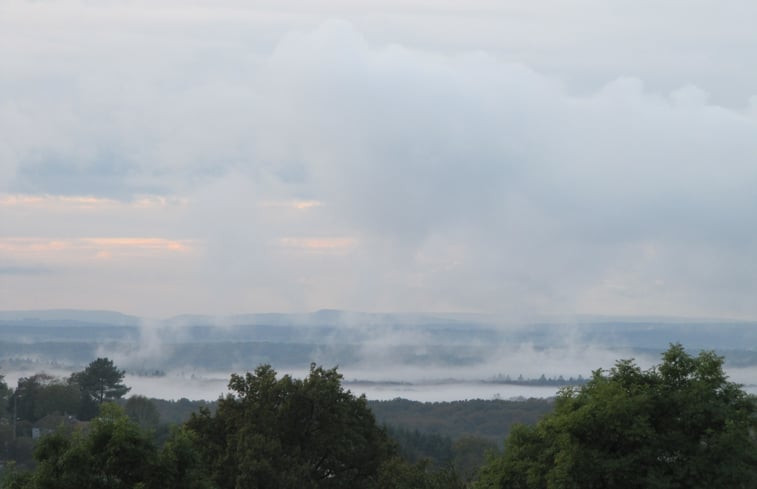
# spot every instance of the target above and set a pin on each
(180, 463)
(291, 433)
(398, 474)
(416, 446)
(114, 454)
(42, 394)
(269, 433)
(5, 391)
(681, 424)
(178, 412)
(12, 478)
(101, 381)
(142, 411)
(470, 454)
(490, 419)
(466, 454)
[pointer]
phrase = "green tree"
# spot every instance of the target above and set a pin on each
(13, 478)
(397, 473)
(42, 394)
(57, 397)
(24, 398)
(113, 454)
(142, 411)
(291, 433)
(179, 463)
(269, 433)
(5, 392)
(470, 452)
(679, 424)
(101, 381)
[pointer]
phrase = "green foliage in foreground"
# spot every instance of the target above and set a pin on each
(299, 434)
(678, 425)
(114, 453)
(270, 432)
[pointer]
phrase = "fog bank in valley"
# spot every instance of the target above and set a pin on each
(417, 356)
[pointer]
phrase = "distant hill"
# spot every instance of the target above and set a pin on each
(346, 338)
(83, 316)
(489, 419)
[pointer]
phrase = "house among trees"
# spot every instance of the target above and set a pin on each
(54, 422)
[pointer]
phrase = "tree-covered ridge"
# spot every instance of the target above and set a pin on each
(679, 424)
(39, 340)
(42, 394)
(488, 419)
(458, 433)
(269, 432)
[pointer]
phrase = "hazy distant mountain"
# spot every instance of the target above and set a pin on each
(345, 337)
(84, 316)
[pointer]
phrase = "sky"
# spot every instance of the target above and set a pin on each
(505, 157)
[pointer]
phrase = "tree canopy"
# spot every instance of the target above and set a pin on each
(679, 424)
(142, 411)
(101, 381)
(269, 432)
(298, 433)
(41, 394)
(114, 453)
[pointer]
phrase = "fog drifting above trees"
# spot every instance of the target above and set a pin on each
(428, 357)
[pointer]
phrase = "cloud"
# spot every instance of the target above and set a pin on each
(294, 204)
(24, 270)
(319, 244)
(322, 165)
(70, 251)
(74, 203)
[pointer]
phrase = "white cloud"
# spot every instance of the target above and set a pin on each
(451, 171)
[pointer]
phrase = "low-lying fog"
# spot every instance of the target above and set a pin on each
(417, 357)
(427, 384)
(210, 387)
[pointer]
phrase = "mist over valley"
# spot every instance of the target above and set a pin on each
(426, 357)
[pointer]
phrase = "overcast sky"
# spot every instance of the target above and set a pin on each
(514, 157)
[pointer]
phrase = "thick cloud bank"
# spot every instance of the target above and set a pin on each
(164, 164)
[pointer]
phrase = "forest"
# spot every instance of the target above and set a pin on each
(681, 423)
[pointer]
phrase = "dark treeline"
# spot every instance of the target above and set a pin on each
(461, 434)
(465, 454)
(268, 432)
(678, 424)
(79, 395)
(488, 419)
(558, 381)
